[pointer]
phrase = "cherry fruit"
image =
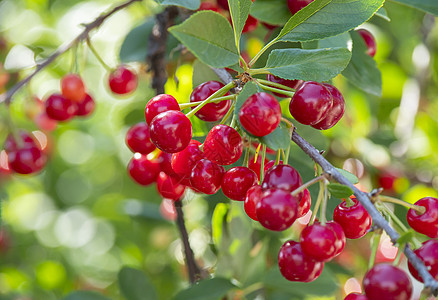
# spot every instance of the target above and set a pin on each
(223, 145)
(340, 236)
(27, 159)
(251, 199)
(251, 24)
(208, 6)
(206, 177)
(296, 5)
(294, 84)
(305, 203)
(211, 112)
(60, 108)
(169, 188)
(426, 223)
(237, 181)
(184, 161)
(355, 296)
(335, 113)
(142, 170)
(256, 165)
(369, 41)
(159, 104)
(282, 177)
(27, 139)
(122, 80)
(354, 220)
(86, 107)
(318, 242)
(138, 140)
(73, 88)
(385, 281)
(428, 254)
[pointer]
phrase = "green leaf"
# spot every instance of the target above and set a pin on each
(209, 36)
(340, 41)
(351, 177)
(190, 4)
(318, 65)
(274, 12)
(202, 73)
(135, 45)
(239, 10)
(278, 139)
(208, 289)
(85, 295)
(134, 285)
(362, 70)
(339, 190)
(383, 14)
(406, 237)
(333, 18)
(430, 6)
(219, 214)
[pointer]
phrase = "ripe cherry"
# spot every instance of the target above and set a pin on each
(335, 113)
(318, 242)
(122, 80)
(44, 122)
(86, 107)
(159, 104)
(385, 281)
(277, 209)
(137, 139)
(169, 188)
(252, 198)
(282, 177)
(223, 4)
(206, 177)
(60, 108)
(296, 5)
(340, 236)
(164, 159)
(184, 161)
(142, 170)
(223, 145)
(305, 203)
(260, 114)
(369, 41)
(295, 265)
(269, 26)
(256, 165)
(270, 165)
(73, 88)
(354, 220)
(27, 159)
(294, 84)
(237, 181)
(208, 6)
(27, 139)
(355, 296)
(251, 24)
(310, 103)
(426, 223)
(428, 254)
(211, 112)
(171, 131)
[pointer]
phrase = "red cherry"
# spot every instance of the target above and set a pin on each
(169, 188)
(354, 220)
(137, 139)
(206, 177)
(60, 108)
(250, 24)
(237, 181)
(269, 26)
(295, 266)
(211, 112)
(86, 107)
(223, 145)
(256, 165)
(164, 159)
(318, 242)
(73, 88)
(122, 80)
(296, 5)
(310, 103)
(426, 223)
(159, 104)
(270, 165)
(44, 122)
(294, 84)
(26, 160)
(340, 236)
(336, 111)
(223, 4)
(27, 138)
(369, 41)
(282, 177)
(305, 203)
(260, 114)
(428, 253)
(184, 161)
(208, 6)
(171, 131)
(142, 170)
(355, 296)
(252, 198)
(385, 281)
(277, 209)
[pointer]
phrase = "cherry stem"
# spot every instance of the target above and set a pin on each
(258, 71)
(375, 240)
(229, 112)
(276, 85)
(323, 214)
(349, 202)
(252, 288)
(287, 122)
(318, 202)
(275, 90)
(420, 209)
(397, 258)
(277, 159)
(96, 54)
(245, 65)
(262, 166)
(286, 155)
(304, 186)
(257, 56)
(246, 159)
(219, 99)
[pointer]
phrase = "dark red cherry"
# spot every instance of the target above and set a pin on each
(73, 88)
(137, 139)
(318, 242)
(142, 170)
(27, 159)
(296, 5)
(369, 41)
(426, 223)
(336, 111)
(385, 281)
(269, 26)
(209, 6)
(223, 4)
(60, 108)
(86, 107)
(171, 131)
(428, 253)
(164, 159)
(250, 24)
(294, 84)
(260, 114)
(340, 236)
(206, 177)
(354, 220)
(270, 165)
(122, 80)
(252, 198)
(295, 266)
(310, 103)
(27, 139)
(184, 161)
(305, 203)
(237, 181)
(355, 296)
(159, 104)
(282, 177)
(211, 112)
(169, 188)
(223, 145)
(256, 165)
(277, 209)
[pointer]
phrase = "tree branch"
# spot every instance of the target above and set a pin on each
(7, 96)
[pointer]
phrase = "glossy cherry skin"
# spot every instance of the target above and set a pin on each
(86, 107)
(340, 236)
(26, 160)
(27, 141)
(295, 265)
(122, 80)
(318, 242)
(260, 114)
(169, 188)
(223, 145)
(171, 131)
(251, 199)
(206, 177)
(305, 203)
(428, 253)
(256, 165)
(277, 209)
(355, 296)
(184, 161)
(296, 5)
(237, 181)
(60, 108)
(369, 41)
(208, 6)
(250, 24)
(73, 88)
(426, 223)
(270, 165)
(385, 281)
(294, 84)
(354, 220)
(282, 177)
(164, 159)
(211, 112)
(310, 103)
(336, 111)
(137, 139)
(142, 170)
(159, 104)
